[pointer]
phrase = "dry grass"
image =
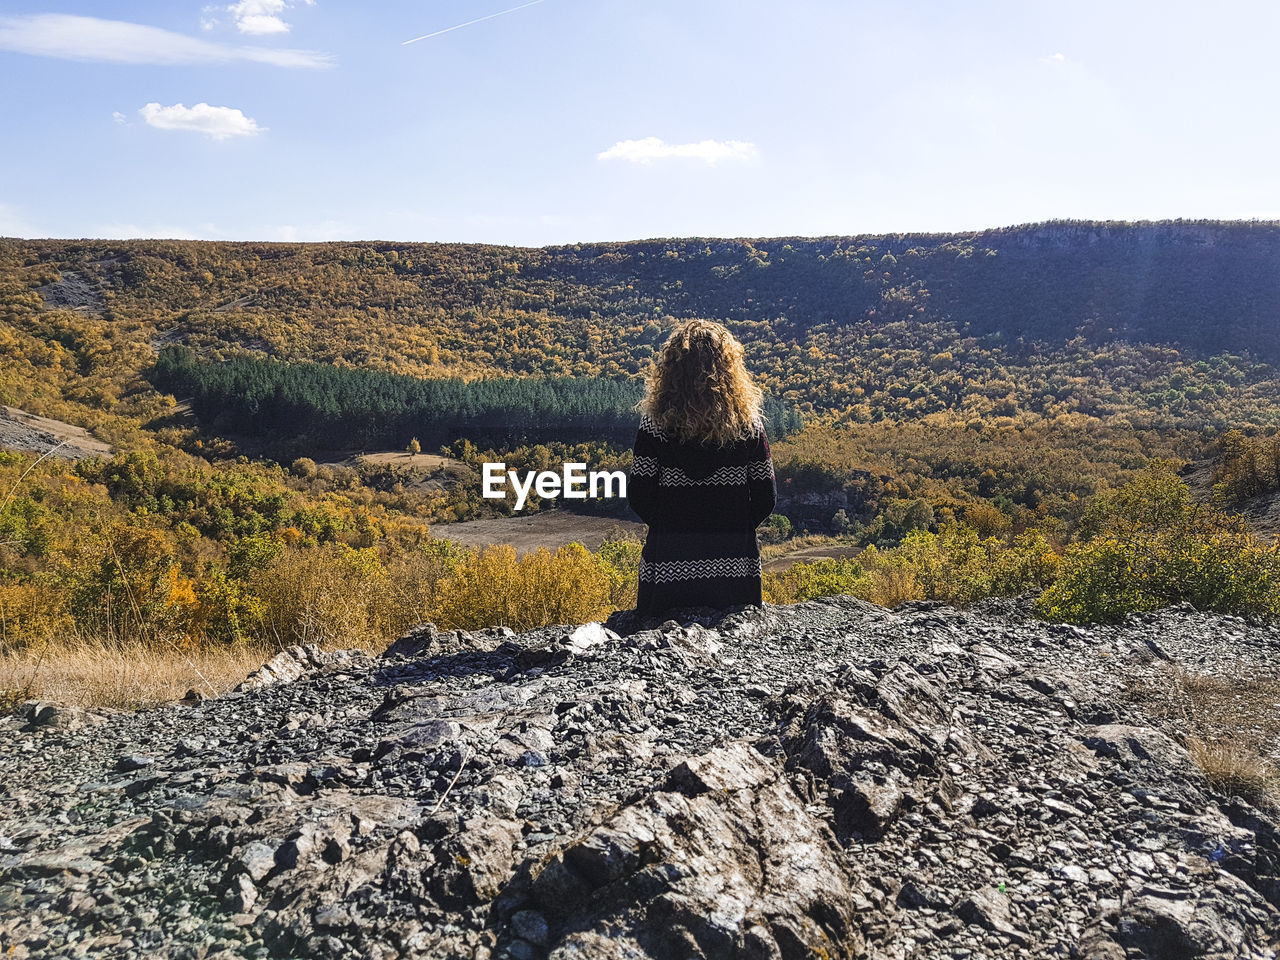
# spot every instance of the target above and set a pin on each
(795, 544)
(1238, 771)
(127, 675)
(1231, 726)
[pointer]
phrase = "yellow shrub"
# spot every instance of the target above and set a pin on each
(954, 565)
(30, 612)
(320, 595)
(620, 559)
(808, 581)
(409, 591)
(892, 585)
(495, 587)
(127, 587)
(226, 612)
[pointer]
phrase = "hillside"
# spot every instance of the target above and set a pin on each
(1151, 282)
(1097, 345)
(817, 314)
(828, 779)
(960, 403)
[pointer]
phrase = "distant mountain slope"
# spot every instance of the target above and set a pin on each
(1209, 285)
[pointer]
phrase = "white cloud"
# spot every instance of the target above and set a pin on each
(217, 122)
(70, 37)
(262, 16)
(319, 232)
(261, 24)
(1054, 58)
(119, 117)
(134, 231)
(708, 151)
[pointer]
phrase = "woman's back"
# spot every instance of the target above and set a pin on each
(678, 485)
(702, 477)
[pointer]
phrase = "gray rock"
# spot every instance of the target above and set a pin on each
(803, 781)
(294, 663)
(258, 859)
(473, 864)
(1162, 926)
(133, 761)
(531, 926)
(990, 909)
(721, 853)
(1136, 747)
(42, 715)
(588, 635)
(241, 896)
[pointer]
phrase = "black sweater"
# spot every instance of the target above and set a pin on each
(684, 487)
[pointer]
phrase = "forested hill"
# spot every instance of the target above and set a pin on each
(1169, 326)
(1210, 286)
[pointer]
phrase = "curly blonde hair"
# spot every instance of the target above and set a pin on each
(698, 388)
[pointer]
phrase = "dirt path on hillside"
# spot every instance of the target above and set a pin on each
(551, 529)
(426, 462)
(20, 430)
(810, 554)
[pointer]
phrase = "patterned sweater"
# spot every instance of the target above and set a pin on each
(702, 505)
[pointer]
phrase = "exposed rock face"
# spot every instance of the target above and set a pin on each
(824, 780)
(293, 663)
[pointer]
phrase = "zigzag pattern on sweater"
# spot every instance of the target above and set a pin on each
(648, 426)
(642, 466)
(665, 571)
(724, 477)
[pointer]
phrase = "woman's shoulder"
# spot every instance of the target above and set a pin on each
(650, 426)
(756, 435)
(750, 441)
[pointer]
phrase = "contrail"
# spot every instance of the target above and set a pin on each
(428, 36)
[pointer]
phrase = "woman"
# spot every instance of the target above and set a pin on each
(702, 477)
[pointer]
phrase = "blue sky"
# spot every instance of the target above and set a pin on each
(579, 120)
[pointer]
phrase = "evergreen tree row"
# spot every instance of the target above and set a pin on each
(325, 407)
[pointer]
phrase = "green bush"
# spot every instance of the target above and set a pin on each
(775, 529)
(954, 565)
(1148, 545)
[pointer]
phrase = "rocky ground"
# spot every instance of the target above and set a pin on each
(74, 291)
(824, 780)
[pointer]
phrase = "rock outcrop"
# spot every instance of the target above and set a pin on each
(824, 780)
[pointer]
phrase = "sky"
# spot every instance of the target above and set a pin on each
(563, 121)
